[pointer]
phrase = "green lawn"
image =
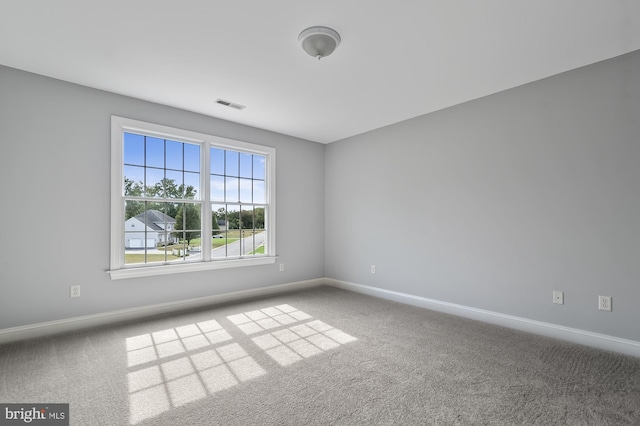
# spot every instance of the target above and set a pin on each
(259, 250)
(231, 236)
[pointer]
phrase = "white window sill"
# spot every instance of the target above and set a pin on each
(167, 269)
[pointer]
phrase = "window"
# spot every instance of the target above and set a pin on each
(185, 201)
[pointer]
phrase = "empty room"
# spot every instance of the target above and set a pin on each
(331, 213)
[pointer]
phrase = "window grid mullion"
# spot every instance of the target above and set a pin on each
(145, 186)
(205, 209)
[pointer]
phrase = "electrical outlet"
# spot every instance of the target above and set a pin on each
(282, 267)
(373, 269)
(604, 303)
(558, 297)
(74, 291)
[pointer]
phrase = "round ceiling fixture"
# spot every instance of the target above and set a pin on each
(319, 41)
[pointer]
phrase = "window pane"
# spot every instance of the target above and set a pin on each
(219, 228)
(246, 188)
(247, 241)
(232, 187)
(163, 222)
(259, 219)
(153, 182)
(259, 196)
(132, 209)
(217, 188)
(134, 251)
(228, 245)
(140, 238)
(172, 185)
(133, 149)
(187, 232)
(171, 210)
(233, 216)
(192, 217)
(217, 161)
(255, 242)
(149, 232)
(179, 251)
(155, 152)
(218, 219)
(258, 167)
(134, 173)
(250, 244)
(246, 213)
(188, 222)
(246, 165)
(231, 163)
(192, 186)
(133, 180)
(191, 157)
(174, 155)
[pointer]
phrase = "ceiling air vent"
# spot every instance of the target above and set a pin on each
(230, 104)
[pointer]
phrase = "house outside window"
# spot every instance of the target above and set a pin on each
(185, 201)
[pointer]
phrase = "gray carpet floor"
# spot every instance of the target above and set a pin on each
(322, 356)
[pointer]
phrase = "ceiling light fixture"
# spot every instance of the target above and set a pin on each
(319, 41)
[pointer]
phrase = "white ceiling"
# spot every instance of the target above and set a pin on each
(397, 60)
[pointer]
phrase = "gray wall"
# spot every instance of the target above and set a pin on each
(495, 203)
(54, 219)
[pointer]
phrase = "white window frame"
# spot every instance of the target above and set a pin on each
(118, 270)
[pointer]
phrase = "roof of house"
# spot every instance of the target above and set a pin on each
(153, 217)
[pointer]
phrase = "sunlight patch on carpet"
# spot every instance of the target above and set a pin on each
(268, 318)
(176, 366)
(166, 372)
(290, 345)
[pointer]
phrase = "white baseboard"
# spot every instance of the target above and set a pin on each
(77, 323)
(601, 341)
